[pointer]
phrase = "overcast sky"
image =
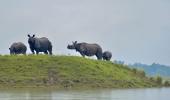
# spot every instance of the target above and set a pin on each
(133, 30)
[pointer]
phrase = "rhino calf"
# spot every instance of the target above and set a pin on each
(18, 48)
(86, 49)
(107, 55)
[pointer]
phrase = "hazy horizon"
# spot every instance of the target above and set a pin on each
(134, 31)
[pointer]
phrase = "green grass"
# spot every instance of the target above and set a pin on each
(67, 72)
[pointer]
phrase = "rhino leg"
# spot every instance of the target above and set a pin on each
(99, 56)
(108, 59)
(50, 50)
(24, 53)
(37, 52)
(82, 54)
(32, 50)
(46, 52)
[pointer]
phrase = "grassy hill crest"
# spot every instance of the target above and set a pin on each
(67, 72)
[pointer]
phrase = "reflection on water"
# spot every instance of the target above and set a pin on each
(26, 94)
(112, 94)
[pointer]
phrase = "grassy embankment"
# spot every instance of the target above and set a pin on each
(67, 72)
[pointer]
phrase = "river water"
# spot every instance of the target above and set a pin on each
(97, 94)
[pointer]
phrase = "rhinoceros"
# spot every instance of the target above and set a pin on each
(18, 48)
(107, 55)
(86, 49)
(40, 45)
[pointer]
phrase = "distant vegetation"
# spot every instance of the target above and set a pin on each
(69, 72)
(153, 70)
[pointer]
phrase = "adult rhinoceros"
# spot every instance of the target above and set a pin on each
(86, 49)
(40, 45)
(18, 48)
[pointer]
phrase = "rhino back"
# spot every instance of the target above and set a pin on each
(42, 44)
(89, 49)
(18, 47)
(21, 46)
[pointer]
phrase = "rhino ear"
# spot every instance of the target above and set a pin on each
(29, 35)
(9, 48)
(33, 35)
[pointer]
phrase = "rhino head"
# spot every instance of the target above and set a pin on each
(73, 46)
(31, 39)
(11, 51)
